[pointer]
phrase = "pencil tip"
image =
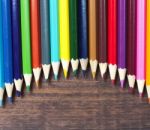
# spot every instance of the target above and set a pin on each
(65, 74)
(56, 77)
(83, 73)
(140, 95)
(113, 82)
(122, 83)
(93, 74)
(75, 73)
(28, 89)
(10, 100)
(37, 83)
(18, 93)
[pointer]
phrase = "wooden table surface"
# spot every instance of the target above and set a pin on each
(77, 104)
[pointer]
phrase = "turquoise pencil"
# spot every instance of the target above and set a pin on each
(1, 61)
(54, 36)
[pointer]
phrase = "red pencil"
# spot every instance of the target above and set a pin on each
(35, 39)
(112, 38)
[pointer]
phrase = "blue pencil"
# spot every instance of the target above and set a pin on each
(1, 61)
(54, 36)
(16, 42)
(82, 34)
(7, 44)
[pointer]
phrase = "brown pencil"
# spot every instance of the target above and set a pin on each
(92, 36)
(101, 15)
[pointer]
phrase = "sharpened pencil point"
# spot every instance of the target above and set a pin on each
(65, 74)
(113, 82)
(84, 73)
(10, 100)
(93, 75)
(28, 89)
(18, 93)
(75, 73)
(56, 77)
(140, 95)
(1, 103)
(37, 83)
(122, 83)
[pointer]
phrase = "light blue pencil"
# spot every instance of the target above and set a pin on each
(54, 36)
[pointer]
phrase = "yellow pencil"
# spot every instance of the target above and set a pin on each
(148, 50)
(64, 34)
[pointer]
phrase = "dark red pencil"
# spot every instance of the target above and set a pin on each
(131, 42)
(102, 35)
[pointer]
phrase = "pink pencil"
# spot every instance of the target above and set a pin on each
(141, 42)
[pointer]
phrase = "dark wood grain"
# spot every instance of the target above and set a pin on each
(77, 104)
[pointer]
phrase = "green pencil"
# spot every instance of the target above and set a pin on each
(73, 35)
(26, 50)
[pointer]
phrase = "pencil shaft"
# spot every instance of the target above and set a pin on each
(92, 29)
(45, 40)
(1, 52)
(16, 39)
(141, 21)
(121, 33)
(25, 33)
(64, 29)
(82, 29)
(54, 30)
(112, 31)
(102, 30)
(7, 41)
(148, 45)
(35, 33)
(131, 37)
(73, 29)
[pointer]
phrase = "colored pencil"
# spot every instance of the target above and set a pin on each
(54, 36)
(7, 44)
(121, 22)
(45, 40)
(73, 35)
(82, 34)
(92, 36)
(112, 38)
(141, 39)
(26, 44)
(16, 42)
(35, 39)
(131, 43)
(148, 51)
(64, 34)
(102, 35)
(2, 86)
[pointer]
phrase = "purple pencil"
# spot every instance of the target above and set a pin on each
(122, 40)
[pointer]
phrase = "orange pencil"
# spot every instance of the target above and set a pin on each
(35, 39)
